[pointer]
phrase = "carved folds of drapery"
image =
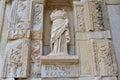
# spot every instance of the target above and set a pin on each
(59, 33)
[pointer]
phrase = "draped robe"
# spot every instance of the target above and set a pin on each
(59, 37)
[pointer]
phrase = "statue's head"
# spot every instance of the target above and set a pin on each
(58, 14)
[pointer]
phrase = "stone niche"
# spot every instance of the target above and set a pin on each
(59, 5)
(59, 65)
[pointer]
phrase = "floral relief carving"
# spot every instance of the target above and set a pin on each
(18, 34)
(16, 57)
(36, 51)
(104, 58)
(80, 18)
(35, 57)
(97, 15)
(38, 14)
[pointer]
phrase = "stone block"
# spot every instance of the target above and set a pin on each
(80, 36)
(84, 49)
(60, 70)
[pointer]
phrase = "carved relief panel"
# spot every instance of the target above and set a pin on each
(95, 16)
(18, 47)
(79, 18)
(35, 58)
(17, 56)
(20, 15)
(87, 46)
(37, 39)
(91, 16)
(104, 57)
(101, 61)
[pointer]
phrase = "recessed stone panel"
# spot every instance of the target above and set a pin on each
(60, 70)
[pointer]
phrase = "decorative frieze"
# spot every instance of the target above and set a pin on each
(91, 16)
(36, 39)
(95, 16)
(18, 34)
(24, 58)
(35, 58)
(20, 15)
(104, 57)
(17, 58)
(101, 59)
(18, 46)
(79, 18)
(38, 17)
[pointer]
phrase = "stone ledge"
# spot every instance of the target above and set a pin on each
(59, 59)
(93, 35)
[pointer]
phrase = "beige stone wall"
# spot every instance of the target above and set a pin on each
(25, 28)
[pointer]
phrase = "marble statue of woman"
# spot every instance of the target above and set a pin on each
(59, 33)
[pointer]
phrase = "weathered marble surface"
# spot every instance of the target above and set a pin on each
(114, 14)
(93, 46)
(93, 35)
(60, 70)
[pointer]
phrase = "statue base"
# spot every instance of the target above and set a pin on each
(58, 65)
(58, 59)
